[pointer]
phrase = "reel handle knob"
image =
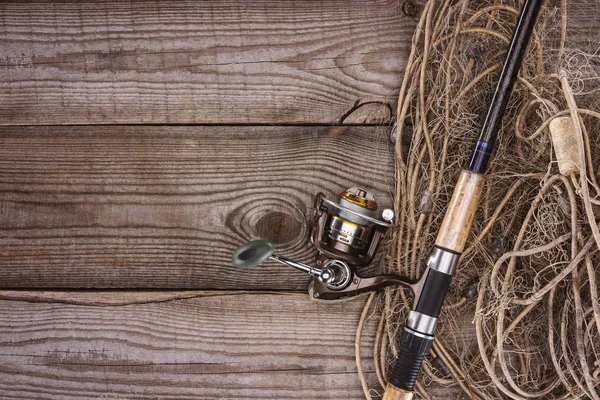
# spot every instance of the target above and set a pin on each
(253, 253)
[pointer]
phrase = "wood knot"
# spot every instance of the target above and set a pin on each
(279, 227)
(410, 9)
(367, 112)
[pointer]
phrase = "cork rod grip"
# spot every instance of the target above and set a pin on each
(457, 222)
(393, 393)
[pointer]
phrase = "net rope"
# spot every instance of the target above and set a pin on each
(527, 276)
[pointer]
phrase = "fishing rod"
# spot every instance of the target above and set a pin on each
(347, 231)
(430, 291)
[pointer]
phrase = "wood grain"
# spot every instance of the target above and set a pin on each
(165, 207)
(227, 61)
(183, 345)
(219, 346)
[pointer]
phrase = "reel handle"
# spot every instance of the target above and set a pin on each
(249, 255)
(334, 281)
(312, 271)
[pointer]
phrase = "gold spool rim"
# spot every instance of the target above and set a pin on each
(361, 201)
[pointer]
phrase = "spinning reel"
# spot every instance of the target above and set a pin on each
(346, 235)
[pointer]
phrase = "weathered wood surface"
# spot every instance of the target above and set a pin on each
(212, 346)
(182, 345)
(228, 61)
(164, 207)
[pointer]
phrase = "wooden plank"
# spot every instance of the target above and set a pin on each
(164, 207)
(213, 346)
(195, 344)
(227, 61)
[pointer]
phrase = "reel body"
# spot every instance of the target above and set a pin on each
(346, 234)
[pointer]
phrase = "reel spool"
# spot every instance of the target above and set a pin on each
(346, 234)
(349, 229)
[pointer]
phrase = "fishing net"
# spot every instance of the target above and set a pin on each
(522, 317)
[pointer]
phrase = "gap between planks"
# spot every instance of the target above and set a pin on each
(114, 298)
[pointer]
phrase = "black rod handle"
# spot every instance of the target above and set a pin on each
(414, 348)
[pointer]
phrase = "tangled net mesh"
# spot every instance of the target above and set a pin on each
(527, 276)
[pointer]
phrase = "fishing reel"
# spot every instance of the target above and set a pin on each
(346, 235)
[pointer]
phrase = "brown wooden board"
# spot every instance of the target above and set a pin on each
(183, 345)
(102, 62)
(165, 207)
(211, 346)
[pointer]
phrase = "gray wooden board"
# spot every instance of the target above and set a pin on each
(224, 61)
(165, 207)
(227, 61)
(214, 346)
(189, 345)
